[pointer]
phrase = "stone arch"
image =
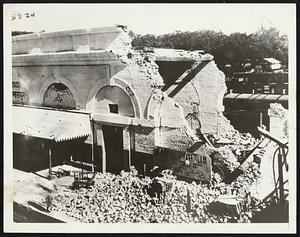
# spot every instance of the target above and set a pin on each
(59, 95)
(166, 112)
(153, 106)
(113, 99)
(114, 83)
(57, 80)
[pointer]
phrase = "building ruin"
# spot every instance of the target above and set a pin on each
(89, 96)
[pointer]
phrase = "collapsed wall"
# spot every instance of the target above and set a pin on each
(206, 91)
(201, 96)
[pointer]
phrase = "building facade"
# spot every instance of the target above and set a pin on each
(100, 101)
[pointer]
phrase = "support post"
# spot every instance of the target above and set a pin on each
(103, 150)
(280, 176)
(50, 163)
(131, 145)
(144, 170)
(260, 119)
(93, 146)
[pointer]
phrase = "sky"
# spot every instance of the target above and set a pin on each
(151, 18)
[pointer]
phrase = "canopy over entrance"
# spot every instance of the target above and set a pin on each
(50, 124)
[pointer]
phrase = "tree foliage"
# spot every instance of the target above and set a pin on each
(230, 49)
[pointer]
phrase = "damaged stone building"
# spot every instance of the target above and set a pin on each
(88, 96)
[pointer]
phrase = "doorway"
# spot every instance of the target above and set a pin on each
(113, 140)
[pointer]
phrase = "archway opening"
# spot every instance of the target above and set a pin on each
(59, 95)
(113, 100)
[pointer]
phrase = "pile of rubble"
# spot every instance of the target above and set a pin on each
(124, 198)
(230, 156)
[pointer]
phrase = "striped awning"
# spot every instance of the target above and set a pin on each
(50, 124)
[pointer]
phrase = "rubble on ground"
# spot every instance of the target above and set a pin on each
(37, 189)
(122, 198)
(229, 157)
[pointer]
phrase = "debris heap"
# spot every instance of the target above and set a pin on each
(124, 199)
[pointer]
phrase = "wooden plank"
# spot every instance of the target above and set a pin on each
(268, 135)
(187, 76)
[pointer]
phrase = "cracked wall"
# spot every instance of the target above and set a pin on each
(203, 95)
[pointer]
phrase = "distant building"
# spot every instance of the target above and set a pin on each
(259, 82)
(251, 91)
(269, 64)
(266, 76)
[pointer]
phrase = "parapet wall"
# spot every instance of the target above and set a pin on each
(75, 40)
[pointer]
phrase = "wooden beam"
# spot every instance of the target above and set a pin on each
(121, 121)
(268, 135)
(260, 119)
(187, 76)
(280, 176)
(173, 59)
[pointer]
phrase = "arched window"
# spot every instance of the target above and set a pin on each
(59, 96)
(113, 100)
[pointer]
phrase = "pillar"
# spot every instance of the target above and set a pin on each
(132, 144)
(93, 145)
(128, 146)
(99, 132)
